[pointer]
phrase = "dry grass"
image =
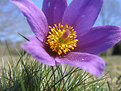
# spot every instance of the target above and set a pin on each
(113, 64)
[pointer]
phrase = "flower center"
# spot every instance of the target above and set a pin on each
(61, 39)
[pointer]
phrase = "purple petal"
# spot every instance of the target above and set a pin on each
(35, 17)
(99, 39)
(54, 10)
(35, 48)
(88, 62)
(81, 14)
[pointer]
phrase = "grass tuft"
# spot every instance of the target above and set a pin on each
(27, 74)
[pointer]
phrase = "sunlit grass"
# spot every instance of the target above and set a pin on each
(113, 67)
(24, 73)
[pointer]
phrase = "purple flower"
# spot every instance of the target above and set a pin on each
(64, 34)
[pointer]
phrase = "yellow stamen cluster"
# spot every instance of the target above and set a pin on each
(61, 39)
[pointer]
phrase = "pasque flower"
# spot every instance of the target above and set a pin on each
(64, 34)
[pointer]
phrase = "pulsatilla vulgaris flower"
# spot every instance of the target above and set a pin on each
(64, 34)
